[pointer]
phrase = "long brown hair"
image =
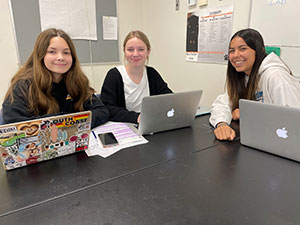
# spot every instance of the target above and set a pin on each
(235, 80)
(35, 73)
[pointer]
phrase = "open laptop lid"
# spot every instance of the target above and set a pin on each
(168, 111)
(271, 128)
(29, 142)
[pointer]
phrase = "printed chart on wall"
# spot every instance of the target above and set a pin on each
(208, 34)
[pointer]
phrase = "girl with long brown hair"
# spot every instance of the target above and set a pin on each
(51, 82)
(253, 75)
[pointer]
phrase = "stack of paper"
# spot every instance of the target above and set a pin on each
(125, 135)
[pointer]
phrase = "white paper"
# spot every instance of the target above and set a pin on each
(110, 28)
(123, 133)
(214, 32)
(215, 26)
(75, 17)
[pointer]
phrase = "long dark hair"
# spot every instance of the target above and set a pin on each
(39, 78)
(235, 80)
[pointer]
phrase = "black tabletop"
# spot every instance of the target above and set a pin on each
(35, 184)
(226, 184)
(180, 177)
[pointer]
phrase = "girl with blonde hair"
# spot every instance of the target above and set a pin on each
(125, 86)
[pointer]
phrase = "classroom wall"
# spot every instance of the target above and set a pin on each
(129, 15)
(166, 29)
(129, 19)
(8, 54)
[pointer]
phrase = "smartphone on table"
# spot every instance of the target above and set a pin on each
(108, 139)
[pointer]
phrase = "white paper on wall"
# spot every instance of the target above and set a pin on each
(110, 28)
(76, 17)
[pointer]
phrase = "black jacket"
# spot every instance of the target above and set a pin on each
(18, 110)
(112, 94)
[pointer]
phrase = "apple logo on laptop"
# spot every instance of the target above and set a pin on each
(282, 133)
(171, 112)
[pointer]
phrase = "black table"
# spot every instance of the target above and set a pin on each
(179, 177)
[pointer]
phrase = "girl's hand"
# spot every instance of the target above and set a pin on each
(224, 132)
(236, 114)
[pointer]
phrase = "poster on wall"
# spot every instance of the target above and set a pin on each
(69, 16)
(208, 34)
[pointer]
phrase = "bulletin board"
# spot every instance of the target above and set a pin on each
(27, 26)
(277, 22)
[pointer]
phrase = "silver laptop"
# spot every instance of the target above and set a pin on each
(33, 141)
(168, 111)
(271, 128)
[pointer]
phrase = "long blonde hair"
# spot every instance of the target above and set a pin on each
(34, 72)
(140, 35)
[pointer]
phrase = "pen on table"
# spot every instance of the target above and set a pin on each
(94, 134)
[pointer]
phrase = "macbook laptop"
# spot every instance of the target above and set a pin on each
(271, 128)
(33, 141)
(168, 111)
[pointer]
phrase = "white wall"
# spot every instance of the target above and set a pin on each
(129, 14)
(166, 29)
(8, 54)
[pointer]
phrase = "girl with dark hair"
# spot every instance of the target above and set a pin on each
(125, 86)
(51, 82)
(253, 75)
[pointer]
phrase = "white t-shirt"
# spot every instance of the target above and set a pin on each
(134, 93)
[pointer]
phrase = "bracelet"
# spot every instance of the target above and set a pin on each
(221, 124)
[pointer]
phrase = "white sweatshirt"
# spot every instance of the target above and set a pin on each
(275, 86)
